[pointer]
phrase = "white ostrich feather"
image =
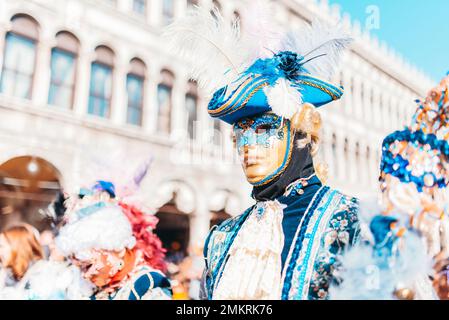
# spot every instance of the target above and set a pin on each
(283, 99)
(321, 45)
(210, 44)
(106, 229)
(53, 280)
(259, 30)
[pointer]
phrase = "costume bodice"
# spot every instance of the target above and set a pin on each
(328, 224)
(144, 284)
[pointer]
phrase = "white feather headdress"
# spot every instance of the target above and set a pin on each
(210, 44)
(321, 45)
(218, 54)
(261, 33)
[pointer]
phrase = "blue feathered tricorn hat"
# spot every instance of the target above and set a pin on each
(263, 69)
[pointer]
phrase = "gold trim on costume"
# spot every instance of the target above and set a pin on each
(248, 98)
(318, 86)
(242, 86)
(250, 95)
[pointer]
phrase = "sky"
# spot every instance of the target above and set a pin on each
(417, 29)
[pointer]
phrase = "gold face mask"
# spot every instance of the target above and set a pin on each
(264, 144)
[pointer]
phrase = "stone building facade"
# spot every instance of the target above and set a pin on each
(84, 80)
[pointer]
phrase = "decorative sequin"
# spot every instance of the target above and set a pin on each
(262, 131)
(416, 157)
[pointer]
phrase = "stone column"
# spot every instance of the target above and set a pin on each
(373, 166)
(155, 10)
(3, 31)
(124, 5)
(200, 221)
(203, 130)
(328, 153)
(341, 159)
(82, 85)
(178, 112)
(366, 104)
(357, 98)
(353, 166)
(377, 114)
(348, 95)
(150, 102)
(363, 177)
(119, 103)
(180, 8)
(42, 71)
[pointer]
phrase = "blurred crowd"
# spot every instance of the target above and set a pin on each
(98, 246)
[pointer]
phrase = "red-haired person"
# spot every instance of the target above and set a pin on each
(19, 249)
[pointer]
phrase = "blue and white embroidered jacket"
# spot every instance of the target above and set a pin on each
(318, 224)
(145, 284)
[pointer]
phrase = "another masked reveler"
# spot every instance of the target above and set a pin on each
(411, 232)
(111, 240)
(288, 244)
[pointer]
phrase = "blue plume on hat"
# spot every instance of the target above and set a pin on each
(105, 186)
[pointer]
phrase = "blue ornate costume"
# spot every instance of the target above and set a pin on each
(288, 244)
(408, 232)
(145, 284)
(319, 223)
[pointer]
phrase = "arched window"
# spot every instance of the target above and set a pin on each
(192, 3)
(382, 108)
(100, 92)
(135, 90)
(168, 11)
(217, 137)
(20, 57)
(352, 86)
(140, 7)
(342, 82)
(368, 162)
(215, 6)
(357, 158)
(165, 101)
(236, 17)
(346, 151)
(63, 70)
(362, 91)
(34, 177)
(192, 107)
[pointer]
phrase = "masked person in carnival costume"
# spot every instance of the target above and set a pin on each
(110, 238)
(411, 233)
(287, 245)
